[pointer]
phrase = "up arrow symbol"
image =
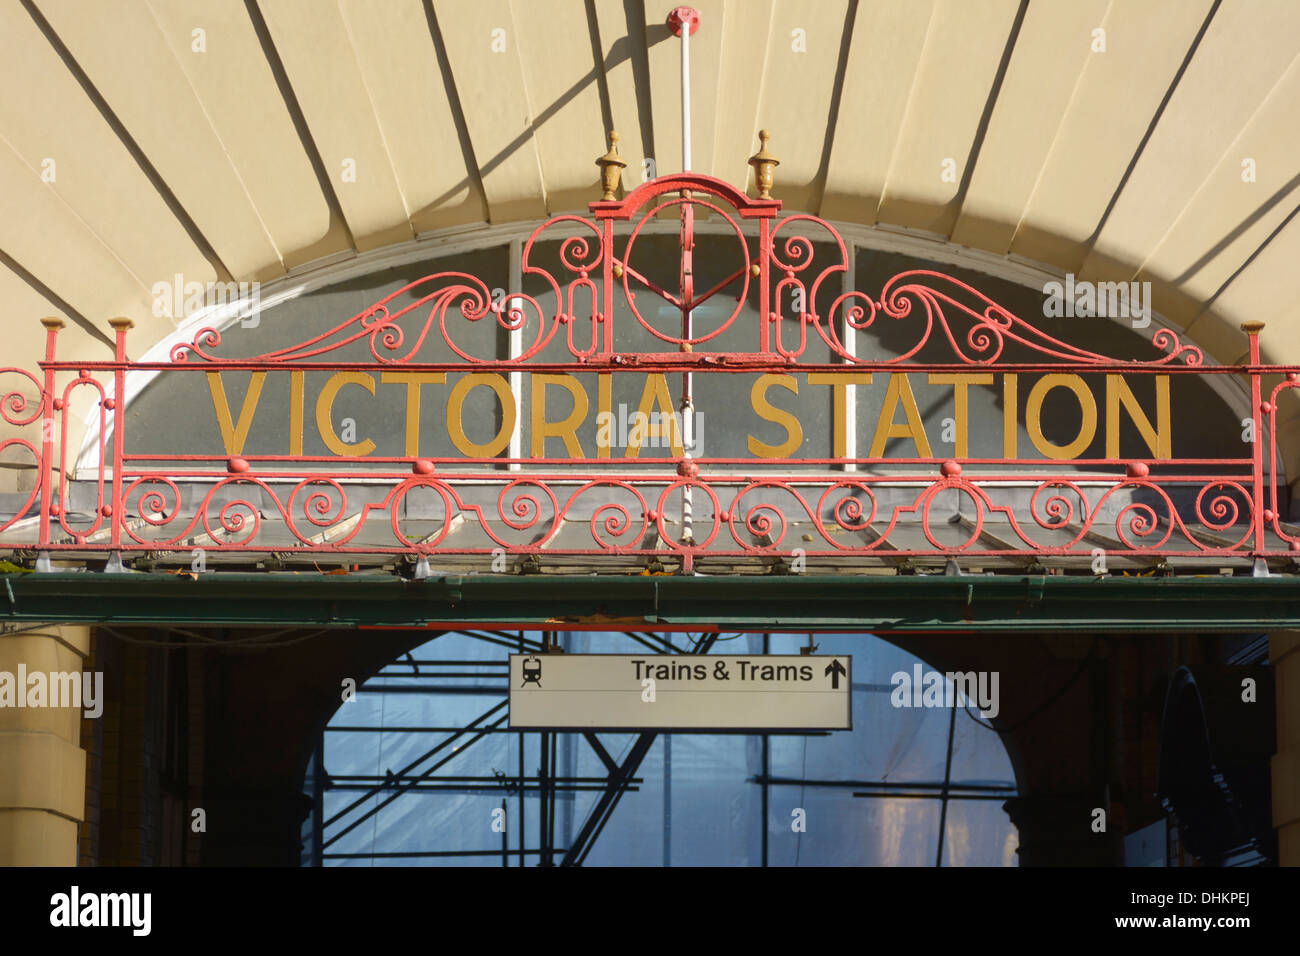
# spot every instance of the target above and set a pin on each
(835, 669)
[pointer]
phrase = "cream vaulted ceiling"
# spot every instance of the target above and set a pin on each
(1156, 140)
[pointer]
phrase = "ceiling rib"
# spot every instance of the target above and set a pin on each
(299, 119)
(132, 147)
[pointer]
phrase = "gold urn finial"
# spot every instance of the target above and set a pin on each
(611, 168)
(763, 163)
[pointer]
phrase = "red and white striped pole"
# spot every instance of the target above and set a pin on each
(684, 21)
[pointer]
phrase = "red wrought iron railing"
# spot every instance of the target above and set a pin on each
(585, 509)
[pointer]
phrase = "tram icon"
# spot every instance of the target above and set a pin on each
(532, 671)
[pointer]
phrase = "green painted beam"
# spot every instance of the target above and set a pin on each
(904, 604)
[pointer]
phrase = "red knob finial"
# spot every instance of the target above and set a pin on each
(687, 15)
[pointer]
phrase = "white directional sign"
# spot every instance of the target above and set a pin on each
(686, 692)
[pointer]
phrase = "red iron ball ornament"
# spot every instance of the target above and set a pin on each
(684, 15)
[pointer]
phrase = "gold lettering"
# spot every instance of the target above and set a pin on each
(566, 430)
(655, 393)
(900, 390)
(297, 398)
(1010, 433)
(412, 381)
(455, 408)
(234, 435)
(325, 408)
(604, 407)
(1034, 414)
(1157, 438)
(840, 382)
(768, 412)
(960, 405)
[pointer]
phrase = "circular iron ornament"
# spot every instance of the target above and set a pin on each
(1223, 510)
(926, 500)
(1058, 511)
(237, 516)
(848, 510)
(319, 508)
(476, 304)
(13, 404)
(858, 315)
(204, 339)
(525, 510)
(153, 506)
(1140, 518)
(430, 542)
(155, 509)
(630, 296)
(21, 511)
(1167, 341)
(765, 519)
(984, 338)
(662, 503)
(613, 519)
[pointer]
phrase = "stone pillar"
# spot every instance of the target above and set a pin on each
(1284, 652)
(42, 766)
(254, 827)
(1057, 830)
